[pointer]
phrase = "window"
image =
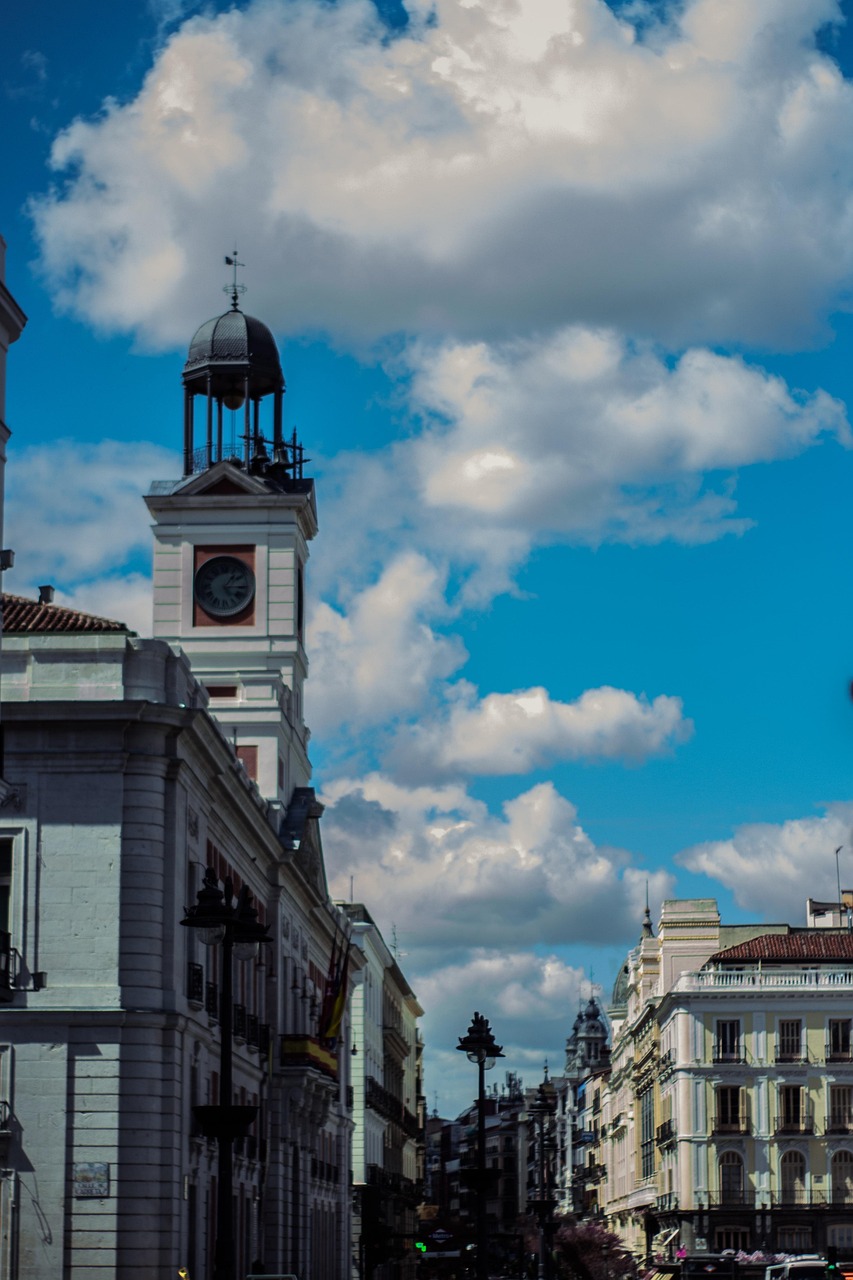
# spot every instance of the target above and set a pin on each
(839, 1038)
(790, 1045)
(727, 1048)
(840, 1234)
(795, 1239)
(792, 1178)
(6, 848)
(647, 1133)
(840, 1108)
(730, 1110)
(731, 1238)
(790, 1107)
(731, 1178)
(842, 1178)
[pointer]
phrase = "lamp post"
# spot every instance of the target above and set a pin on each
(235, 929)
(540, 1112)
(479, 1046)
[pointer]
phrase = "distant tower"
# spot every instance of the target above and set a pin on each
(231, 544)
(587, 1049)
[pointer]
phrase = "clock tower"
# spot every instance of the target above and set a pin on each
(230, 547)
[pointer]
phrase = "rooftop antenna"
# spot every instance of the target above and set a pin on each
(351, 884)
(838, 882)
(395, 951)
(234, 288)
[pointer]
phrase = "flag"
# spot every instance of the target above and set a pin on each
(340, 1001)
(229, 262)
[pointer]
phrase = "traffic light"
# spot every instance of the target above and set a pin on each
(420, 1246)
(832, 1268)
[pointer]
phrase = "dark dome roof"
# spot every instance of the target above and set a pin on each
(231, 345)
(620, 989)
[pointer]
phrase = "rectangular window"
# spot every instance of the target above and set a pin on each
(790, 1047)
(840, 1108)
(729, 1110)
(728, 1047)
(647, 1133)
(790, 1106)
(839, 1038)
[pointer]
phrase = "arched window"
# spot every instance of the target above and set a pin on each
(792, 1175)
(731, 1178)
(842, 1177)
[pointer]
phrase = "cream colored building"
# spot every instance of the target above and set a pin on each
(729, 1112)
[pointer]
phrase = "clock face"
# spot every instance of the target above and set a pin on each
(224, 586)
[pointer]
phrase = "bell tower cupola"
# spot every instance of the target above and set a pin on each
(231, 546)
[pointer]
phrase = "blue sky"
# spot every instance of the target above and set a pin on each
(563, 295)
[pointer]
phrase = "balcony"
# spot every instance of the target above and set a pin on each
(838, 1053)
(732, 1197)
(665, 1133)
(307, 1052)
(723, 1054)
(730, 1125)
(786, 1126)
(795, 1057)
(211, 1000)
(761, 978)
(839, 1124)
(239, 1022)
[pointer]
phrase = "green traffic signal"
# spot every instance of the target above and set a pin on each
(419, 1245)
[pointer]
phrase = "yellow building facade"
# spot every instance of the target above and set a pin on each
(729, 1111)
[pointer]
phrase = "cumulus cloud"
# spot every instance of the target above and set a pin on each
(527, 876)
(507, 733)
(772, 868)
(531, 1002)
(582, 436)
(496, 167)
(381, 658)
(92, 524)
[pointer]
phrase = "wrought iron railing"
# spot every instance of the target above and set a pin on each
(195, 983)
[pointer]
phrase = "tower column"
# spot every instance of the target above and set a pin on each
(188, 431)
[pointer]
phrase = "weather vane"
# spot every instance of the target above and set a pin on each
(234, 288)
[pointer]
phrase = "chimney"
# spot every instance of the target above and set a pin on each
(46, 594)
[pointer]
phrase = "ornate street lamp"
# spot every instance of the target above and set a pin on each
(479, 1046)
(235, 929)
(540, 1112)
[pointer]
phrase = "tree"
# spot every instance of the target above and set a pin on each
(588, 1251)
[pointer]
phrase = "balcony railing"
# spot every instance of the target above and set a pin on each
(7, 957)
(727, 1124)
(763, 978)
(732, 1197)
(211, 999)
(306, 1052)
(724, 1053)
(252, 1031)
(665, 1133)
(787, 1125)
(838, 1053)
(839, 1124)
(794, 1054)
(239, 1022)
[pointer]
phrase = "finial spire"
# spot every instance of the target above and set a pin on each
(234, 288)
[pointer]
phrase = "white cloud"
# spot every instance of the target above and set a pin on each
(74, 511)
(121, 597)
(582, 436)
(381, 658)
(528, 876)
(772, 868)
(517, 732)
(499, 167)
(531, 1002)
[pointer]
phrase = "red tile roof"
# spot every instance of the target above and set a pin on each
(28, 617)
(825, 945)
